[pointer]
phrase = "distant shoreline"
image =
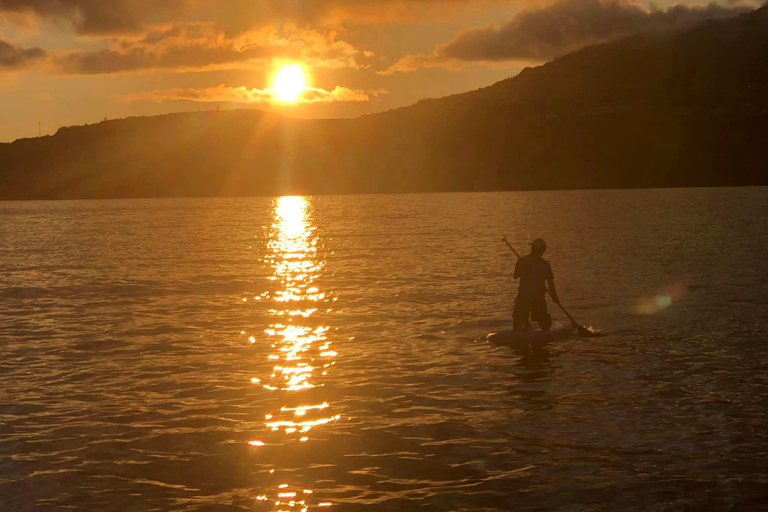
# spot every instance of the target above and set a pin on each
(723, 187)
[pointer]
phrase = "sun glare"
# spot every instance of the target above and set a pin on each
(289, 83)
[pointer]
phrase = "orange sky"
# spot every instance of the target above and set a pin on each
(68, 62)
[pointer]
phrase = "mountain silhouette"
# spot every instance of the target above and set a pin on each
(686, 108)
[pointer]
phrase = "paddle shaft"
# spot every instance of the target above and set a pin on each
(545, 288)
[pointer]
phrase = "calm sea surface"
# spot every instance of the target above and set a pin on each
(327, 353)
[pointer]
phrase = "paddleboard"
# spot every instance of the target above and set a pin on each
(521, 339)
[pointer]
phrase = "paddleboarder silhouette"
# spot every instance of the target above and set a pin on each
(533, 271)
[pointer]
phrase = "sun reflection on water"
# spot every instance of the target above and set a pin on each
(301, 353)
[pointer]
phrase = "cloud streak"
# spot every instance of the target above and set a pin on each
(560, 28)
(14, 57)
(244, 95)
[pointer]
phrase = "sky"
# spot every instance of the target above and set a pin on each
(73, 62)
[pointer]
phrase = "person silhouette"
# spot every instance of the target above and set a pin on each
(533, 270)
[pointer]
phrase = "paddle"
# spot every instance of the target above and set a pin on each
(583, 331)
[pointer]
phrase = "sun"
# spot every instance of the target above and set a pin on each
(289, 83)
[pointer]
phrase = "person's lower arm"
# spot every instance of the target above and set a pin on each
(553, 291)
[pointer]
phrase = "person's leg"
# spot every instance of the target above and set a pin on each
(542, 317)
(520, 315)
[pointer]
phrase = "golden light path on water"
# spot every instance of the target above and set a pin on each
(301, 354)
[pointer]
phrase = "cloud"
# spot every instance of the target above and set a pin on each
(204, 46)
(20, 24)
(339, 12)
(563, 27)
(244, 95)
(415, 62)
(15, 57)
(98, 17)
(186, 59)
(181, 47)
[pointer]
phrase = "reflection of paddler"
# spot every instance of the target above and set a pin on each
(533, 270)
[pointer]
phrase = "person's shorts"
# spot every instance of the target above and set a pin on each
(536, 310)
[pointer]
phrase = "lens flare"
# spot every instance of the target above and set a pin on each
(662, 300)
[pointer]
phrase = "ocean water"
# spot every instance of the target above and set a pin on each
(327, 353)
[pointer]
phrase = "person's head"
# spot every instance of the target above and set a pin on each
(538, 247)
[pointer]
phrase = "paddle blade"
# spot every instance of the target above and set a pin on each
(588, 332)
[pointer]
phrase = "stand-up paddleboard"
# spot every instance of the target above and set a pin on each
(522, 339)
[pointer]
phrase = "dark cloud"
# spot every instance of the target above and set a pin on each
(14, 57)
(560, 28)
(569, 25)
(100, 16)
(140, 59)
(95, 17)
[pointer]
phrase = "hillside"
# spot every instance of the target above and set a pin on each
(682, 109)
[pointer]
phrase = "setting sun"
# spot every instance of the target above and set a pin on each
(289, 83)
